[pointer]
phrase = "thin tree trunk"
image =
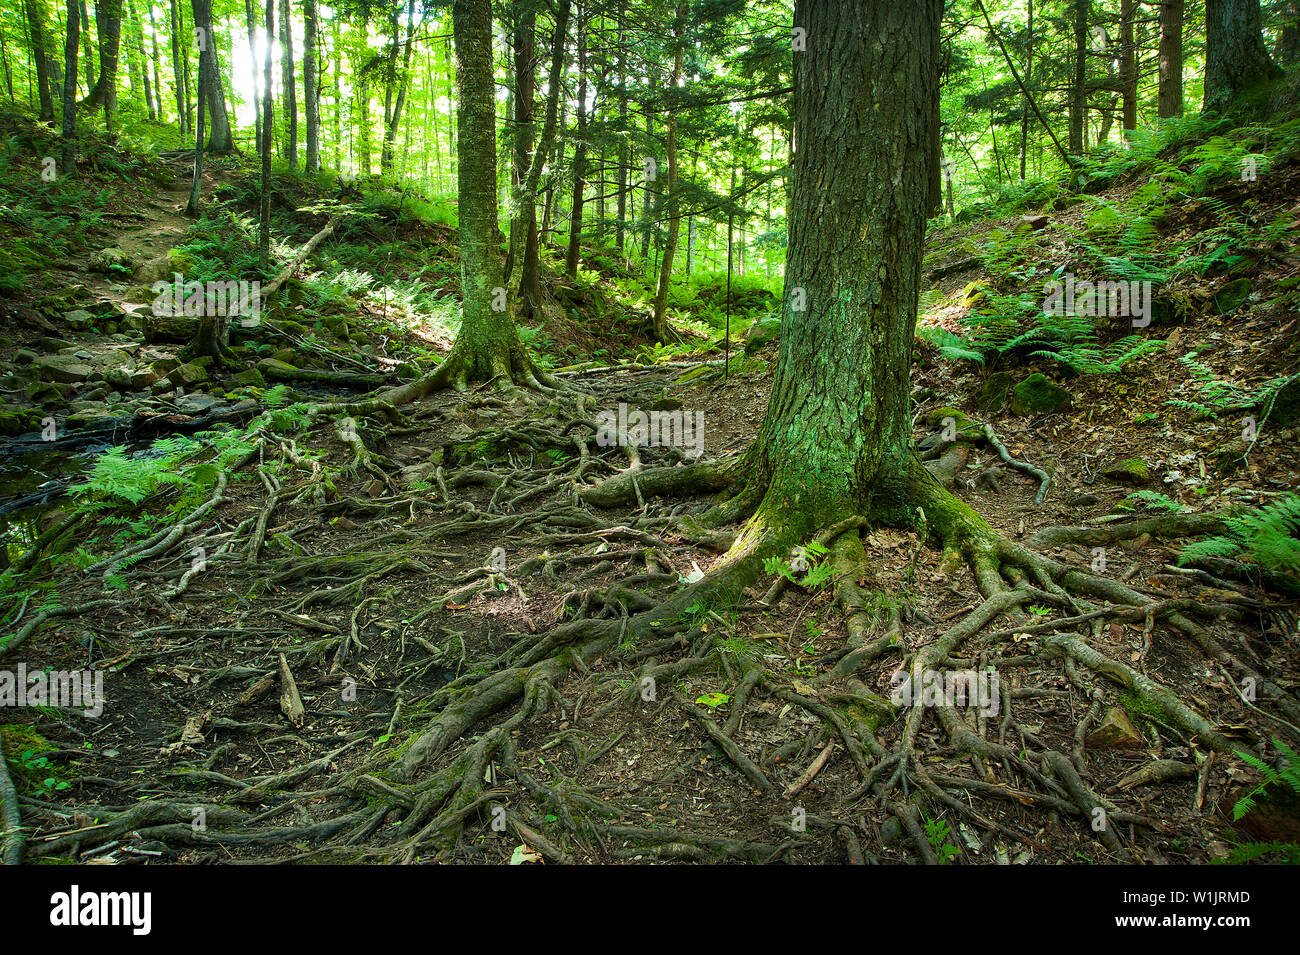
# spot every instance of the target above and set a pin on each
(268, 109)
(201, 16)
(579, 155)
(660, 320)
(1128, 64)
(71, 39)
(36, 17)
(1079, 85)
(311, 91)
(220, 142)
(1170, 96)
(178, 70)
(289, 93)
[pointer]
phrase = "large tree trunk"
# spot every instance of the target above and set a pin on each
(579, 157)
(523, 219)
(401, 84)
(660, 327)
(1024, 108)
(179, 67)
(1287, 50)
(1237, 67)
(289, 92)
(210, 91)
(36, 17)
(70, 42)
(487, 346)
(1170, 96)
(108, 23)
(1079, 85)
(310, 85)
(268, 111)
(836, 439)
(1128, 65)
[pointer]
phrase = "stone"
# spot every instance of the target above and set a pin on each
(250, 378)
(79, 320)
(1286, 404)
(25, 356)
(111, 261)
(1133, 472)
(1038, 394)
(1231, 296)
(63, 368)
(197, 404)
(995, 391)
(1115, 730)
(760, 333)
(119, 377)
(188, 375)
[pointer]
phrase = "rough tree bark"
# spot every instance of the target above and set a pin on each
(108, 23)
(579, 155)
(1079, 84)
(220, 141)
(72, 38)
(310, 85)
(1170, 96)
(1238, 71)
(36, 17)
(1128, 64)
(268, 109)
(523, 220)
(289, 92)
(487, 346)
(660, 320)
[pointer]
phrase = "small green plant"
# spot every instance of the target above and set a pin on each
(816, 572)
(1288, 775)
(937, 833)
(1154, 500)
(1266, 537)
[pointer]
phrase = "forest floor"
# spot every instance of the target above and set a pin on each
(382, 579)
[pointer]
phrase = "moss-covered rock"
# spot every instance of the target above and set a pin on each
(251, 378)
(995, 392)
(1038, 394)
(1131, 471)
(1286, 405)
(1231, 296)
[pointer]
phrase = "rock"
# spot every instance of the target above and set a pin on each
(276, 367)
(664, 403)
(286, 356)
(251, 378)
(760, 333)
(64, 368)
(25, 357)
(12, 423)
(188, 374)
(1115, 730)
(1133, 472)
(79, 320)
(119, 377)
(891, 831)
(1033, 222)
(111, 261)
(1286, 405)
(165, 366)
(53, 344)
(198, 404)
(1037, 394)
(995, 391)
(1231, 296)
(143, 377)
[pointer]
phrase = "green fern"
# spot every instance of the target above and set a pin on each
(1288, 775)
(1265, 537)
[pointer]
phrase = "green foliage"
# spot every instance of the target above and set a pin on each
(1266, 537)
(1154, 500)
(1288, 775)
(937, 833)
(818, 571)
